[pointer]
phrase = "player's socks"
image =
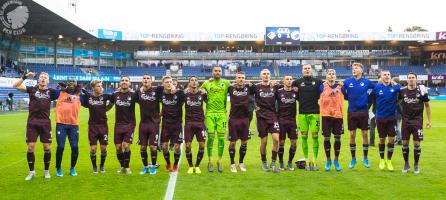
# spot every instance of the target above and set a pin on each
(416, 154)
(231, 150)
(291, 154)
(93, 160)
(176, 156)
(281, 151)
(103, 157)
(47, 159)
(390, 148)
(74, 155)
(199, 156)
(59, 155)
(263, 157)
(153, 156)
(221, 144)
(126, 157)
(353, 150)
(337, 146)
(315, 147)
(210, 144)
(120, 156)
(189, 158)
(144, 157)
(242, 152)
(381, 148)
(405, 150)
(365, 150)
(327, 147)
(166, 155)
(273, 156)
(31, 158)
(305, 146)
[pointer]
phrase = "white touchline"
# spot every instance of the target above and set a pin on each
(173, 179)
(12, 164)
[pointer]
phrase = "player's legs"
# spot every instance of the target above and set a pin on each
(166, 154)
(103, 157)
(416, 155)
(242, 154)
(274, 150)
(231, 150)
(30, 155)
(93, 148)
(314, 129)
(263, 143)
(176, 155)
(73, 138)
(61, 136)
(211, 128)
(304, 128)
(46, 158)
(221, 130)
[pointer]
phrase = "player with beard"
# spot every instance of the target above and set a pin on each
(39, 123)
(194, 122)
(98, 104)
(148, 97)
(239, 121)
(286, 99)
(125, 123)
(413, 99)
(172, 102)
(265, 97)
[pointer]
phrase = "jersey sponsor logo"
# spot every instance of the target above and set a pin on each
(42, 95)
(123, 103)
(96, 102)
(190, 102)
(266, 94)
(240, 93)
(409, 100)
(148, 97)
(169, 102)
(287, 100)
(69, 99)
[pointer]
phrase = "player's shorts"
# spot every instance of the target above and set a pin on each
(386, 127)
(148, 133)
(171, 132)
(238, 129)
(216, 122)
(412, 127)
(332, 125)
(98, 132)
(265, 126)
(40, 129)
(358, 120)
(124, 133)
(196, 129)
(288, 127)
(309, 123)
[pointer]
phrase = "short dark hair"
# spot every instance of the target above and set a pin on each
(413, 73)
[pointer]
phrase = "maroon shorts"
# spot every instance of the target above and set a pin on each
(171, 132)
(98, 132)
(265, 126)
(332, 125)
(148, 133)
(386, 127)
(288, 126)
(238, 129)
(124, 133)
(358, 120)
(197, 129)
(38, 129)
(412, 127)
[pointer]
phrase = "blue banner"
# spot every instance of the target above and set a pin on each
(42, 50)
(109, 34)
(65, 77)
(282, 36)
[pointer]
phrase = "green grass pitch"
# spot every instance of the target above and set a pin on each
(360, 183)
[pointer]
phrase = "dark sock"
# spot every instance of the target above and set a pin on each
(353, 150)
(167, 156)
(365, 149)
(281, 151)
(93, 159)
(242, 152)
(176, 156)
(337, 145)
(189, 157)
(381, 148)
(292, 152)
(273, 156)
(59, 155)
(327, 147)
(390, 151)
(405, 150)
(199, 156)
(31, 159)
(416, 153)
(232, 153)
(154, 155)
(47, 159)
(74, 155)
(103, 157)
(144, 157)
(120, 156)
(127, 155)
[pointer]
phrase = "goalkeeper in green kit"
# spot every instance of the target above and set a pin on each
(215, 119)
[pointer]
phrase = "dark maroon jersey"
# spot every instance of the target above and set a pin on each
(194, 106)
(265, 97)
(97, 107)
(239, 101)
(412, 103)
(40, 103)
(287, 104)
(149, 102)
(172, 110)
(125, 107)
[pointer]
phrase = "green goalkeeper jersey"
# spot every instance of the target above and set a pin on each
(217, 95)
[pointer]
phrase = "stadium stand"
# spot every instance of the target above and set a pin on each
(438, 69)
(402, 70)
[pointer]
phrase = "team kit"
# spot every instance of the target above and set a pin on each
(161, 127)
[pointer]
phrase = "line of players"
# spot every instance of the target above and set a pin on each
(275, 107)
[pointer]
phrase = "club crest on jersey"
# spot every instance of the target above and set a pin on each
(222, 84)
(392, 90)
(313, 83)
(199, 98)
(362, 84)
(381, 92)
(418, 95)
(350, 85)
(302, 84)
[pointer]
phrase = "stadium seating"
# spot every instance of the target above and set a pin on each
(139, 71)
(291, 70)
(341, 70)
(402, 70)
(109, 71)
(60, 69)
(255, 71)
(17, 95)
(438, 69)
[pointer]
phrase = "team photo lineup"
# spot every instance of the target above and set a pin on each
(321, 106)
